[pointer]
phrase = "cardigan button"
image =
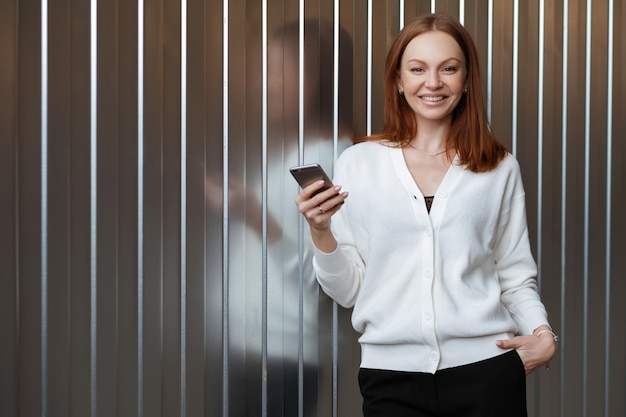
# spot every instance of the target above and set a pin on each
(428, 273)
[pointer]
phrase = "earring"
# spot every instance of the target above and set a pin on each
(401, 92)
(465, 91)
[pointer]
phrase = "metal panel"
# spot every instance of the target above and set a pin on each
(9, 302)
(153, 261)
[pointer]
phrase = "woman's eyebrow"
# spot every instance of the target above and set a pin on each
(419, 61)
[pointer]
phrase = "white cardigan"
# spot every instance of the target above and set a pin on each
(430, 291)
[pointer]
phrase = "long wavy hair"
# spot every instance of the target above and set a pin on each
(470, 132)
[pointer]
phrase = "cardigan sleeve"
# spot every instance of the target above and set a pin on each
(340, 274)
(515, 263)
(338, 277)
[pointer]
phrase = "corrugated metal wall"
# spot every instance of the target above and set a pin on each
(153, 262)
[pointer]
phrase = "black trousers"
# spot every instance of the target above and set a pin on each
(494, 387)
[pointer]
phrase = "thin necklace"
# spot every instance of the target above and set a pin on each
(430, 154)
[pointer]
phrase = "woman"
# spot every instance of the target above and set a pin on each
(431, 249)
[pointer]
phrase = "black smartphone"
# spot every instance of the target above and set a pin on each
(308, 174)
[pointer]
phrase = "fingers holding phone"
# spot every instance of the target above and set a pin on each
(318, 209)
(319, 198)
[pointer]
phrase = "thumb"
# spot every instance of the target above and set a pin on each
(507, 343)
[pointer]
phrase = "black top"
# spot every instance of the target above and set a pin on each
(429, 202)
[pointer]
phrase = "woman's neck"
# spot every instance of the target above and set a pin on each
(431, 136)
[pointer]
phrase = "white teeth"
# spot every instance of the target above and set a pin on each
(428, 98)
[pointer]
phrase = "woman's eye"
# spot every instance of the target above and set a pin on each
(417, 70)
(449, 69)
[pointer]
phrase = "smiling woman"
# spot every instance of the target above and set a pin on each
(444, 295)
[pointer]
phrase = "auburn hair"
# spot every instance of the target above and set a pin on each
(470, 132)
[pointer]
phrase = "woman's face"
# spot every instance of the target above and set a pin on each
(432, 76)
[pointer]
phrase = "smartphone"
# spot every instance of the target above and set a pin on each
(308, 174)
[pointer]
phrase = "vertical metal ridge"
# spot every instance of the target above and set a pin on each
(44, 208)
(225, 236)
(369, 67)
(336, 64)
(16, 193)
(515, 81)
(609, 184)
(588, 27)
(540, 83)
(94, 202)
(301, 81)
(264, 190)
(433, 6)
(462, 12)
(401, 17)
(183, 208)
(564, 110)
(335, 349)
(489, 59)
(301, 25)
(140, 206)
(335, 321)
(539, 207)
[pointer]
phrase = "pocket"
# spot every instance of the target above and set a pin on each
(519, 362)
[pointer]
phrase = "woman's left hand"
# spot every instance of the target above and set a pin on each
(534, 351)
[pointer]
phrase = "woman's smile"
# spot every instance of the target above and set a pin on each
(433, 99)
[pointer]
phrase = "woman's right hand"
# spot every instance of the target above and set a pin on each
(317, 209)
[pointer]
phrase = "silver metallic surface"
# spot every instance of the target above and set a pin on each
(153, 261)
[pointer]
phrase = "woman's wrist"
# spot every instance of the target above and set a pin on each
(323, 240)
(541, 329)
(548, 332)
(545, 332)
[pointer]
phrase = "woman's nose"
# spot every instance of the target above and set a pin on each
(433, 80)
